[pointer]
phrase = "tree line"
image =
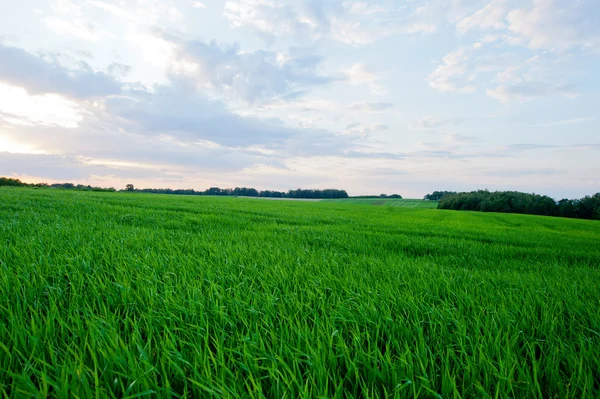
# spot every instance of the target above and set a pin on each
(248, 192)
(234, 192)
(7, 181)
(438, 195)
(587, 207)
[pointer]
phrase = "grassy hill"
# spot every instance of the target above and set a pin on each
(132, 295)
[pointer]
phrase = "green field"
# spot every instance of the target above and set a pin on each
(132, 295)
(403, 203)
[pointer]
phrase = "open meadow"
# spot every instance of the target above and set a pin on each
(403, 203)
(135, 295)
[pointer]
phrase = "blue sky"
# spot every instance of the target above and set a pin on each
(369, 96)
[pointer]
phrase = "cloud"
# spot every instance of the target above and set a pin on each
(527, 90)
(361, 23)
(538, 24)
(453, 146)
(516, 173)
(430, 123)
(359, 74)
(183, 113)
(364, 130)
(458, 139)
(556, 24)
(55, 167)
(371, 107)
(490, 17)
(546, 24)
(505, 76)
(197, 4)
(571, 121)
(160, 145)
(118, 70)
(449, 75)
(172, 129)
(37, 76)
(354, 23)
(255, 77)
(78, 28)
(113, 9)
(189, 120)
(52, 167)
(268, 18)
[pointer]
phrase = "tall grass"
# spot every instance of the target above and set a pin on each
(117, 295)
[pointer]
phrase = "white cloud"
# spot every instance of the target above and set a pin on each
(78, 28)
(364, 129)
(363, 8)
(155, 50)
(556, 24)
(490, 17)
(449, 75)
(359, 74)
(570, 121)
(361, 31)
(253, 77)
(537, 24)
(113, 9)
(267, 17)
(429, 123)
(172, 125)
(197, 4)
(527, 90)
(353, 32)
(456, 139)
(66, 7)
(174, 14)
(371, 107)
(505, 76)
(528, 79)
(354, 23)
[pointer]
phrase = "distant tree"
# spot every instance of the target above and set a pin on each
(566, 208)
(7, 181)
(213, 191)
(587, 207)
(320, 194)
(438, 195)
(66, 186)
(238, 191)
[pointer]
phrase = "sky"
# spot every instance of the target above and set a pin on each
(373, 97)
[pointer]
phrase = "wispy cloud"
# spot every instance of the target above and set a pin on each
(570, 121)
(371, 107)
(429, 123)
